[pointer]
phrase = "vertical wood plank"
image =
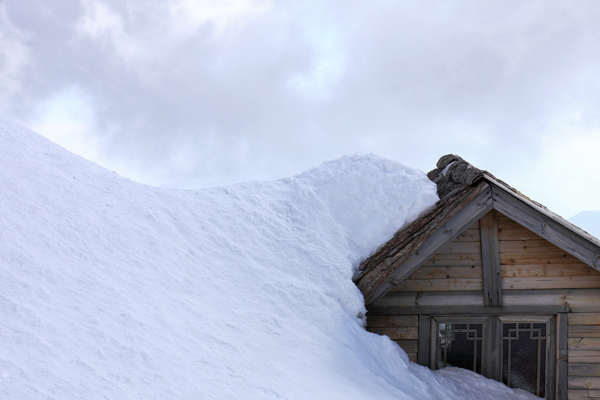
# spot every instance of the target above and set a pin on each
(423, 345)
(562, 364)
(490, 259)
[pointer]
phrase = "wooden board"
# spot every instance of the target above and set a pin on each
(527, 246)
(399, 333)
(468, 302)
(585, 318)
(518, 233)
(580, 369)
(490, 260)
(579, 269)
(449, 260)
(438, 285)
(580, 343)
(392, 320)
(537, 258)
(584, 394)
(469, 235)
(584, 358)
(458, 247)
(544, 282)
(584, 331)
(447, 272)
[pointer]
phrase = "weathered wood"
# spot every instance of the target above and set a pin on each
(552, 347)
(583, 394)
(424, 332)
(397, 333)
(490, 260)
(580, 343)
(409, 346)
(392, 320)
(468, 310)
(412, 357)
(517, 233)
(527, 246)
(584, 331)
(584, 382)
(465, 216)
(583, 358)
(515, 301)
(534, 270)
(537, 258)
(438, 285)
(460, 272)
(451, 260)
(546, 225)
(471, 234)
(456, 247)
(558, 282)
(580, 369)
(562, 350)
(408, 299)
(585, 318)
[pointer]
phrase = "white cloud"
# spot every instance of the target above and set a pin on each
(223, 91)
(15, 58)
(67, 118)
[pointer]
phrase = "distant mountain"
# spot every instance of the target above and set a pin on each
(588, 221)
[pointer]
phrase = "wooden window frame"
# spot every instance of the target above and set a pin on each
(556, 367)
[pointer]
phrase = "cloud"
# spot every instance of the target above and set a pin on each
(15, 56)
(222, 91)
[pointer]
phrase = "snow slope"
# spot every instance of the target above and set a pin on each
(589, 221)
(114, 290)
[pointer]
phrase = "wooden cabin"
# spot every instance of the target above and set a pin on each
(490, 280)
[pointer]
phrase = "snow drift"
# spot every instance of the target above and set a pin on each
(115, 290)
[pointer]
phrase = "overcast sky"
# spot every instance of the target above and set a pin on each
(217, 92)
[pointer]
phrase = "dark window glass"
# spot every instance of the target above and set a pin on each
(524, 356)
(460, 345)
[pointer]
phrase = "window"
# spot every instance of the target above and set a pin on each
(516, 350)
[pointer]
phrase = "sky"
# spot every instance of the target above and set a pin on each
(196, 93)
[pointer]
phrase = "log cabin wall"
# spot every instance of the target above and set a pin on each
(536, 278)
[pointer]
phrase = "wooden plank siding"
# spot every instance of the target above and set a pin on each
(584, 355)
(529, 261)
(457, 266)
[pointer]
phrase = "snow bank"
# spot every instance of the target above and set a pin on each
(114, 290)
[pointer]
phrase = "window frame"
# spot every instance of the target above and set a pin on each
(492, 350)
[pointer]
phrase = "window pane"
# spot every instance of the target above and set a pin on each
(460, 345)
(524, 356)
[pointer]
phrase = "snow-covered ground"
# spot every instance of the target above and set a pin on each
(114, 290)
(588, 221)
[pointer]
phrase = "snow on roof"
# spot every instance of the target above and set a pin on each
(112, 289)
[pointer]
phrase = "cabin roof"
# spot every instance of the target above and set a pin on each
(466, 194)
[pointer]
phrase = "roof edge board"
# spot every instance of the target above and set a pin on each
(546, 226)
(465, 217)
